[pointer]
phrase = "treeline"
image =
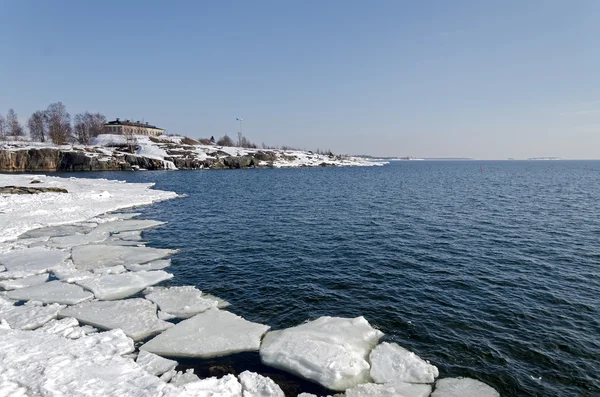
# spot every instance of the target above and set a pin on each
(244, 142)
(53, 124)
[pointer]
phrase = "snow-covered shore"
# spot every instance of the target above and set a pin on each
(76, 267)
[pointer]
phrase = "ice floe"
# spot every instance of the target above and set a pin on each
(52, 292)
(75, 240)
(66, 327)
(118, 286)
(24, 282)
(58, 231)
(255, 385)
(211, 333)
(27, 317)
(227, 386)
(30, 261)
(463, 387)
(156, 265)
(121, 226)
(181, 378)
(88, 257)
(153, 364)
(136, 317)
(332, 351)
(182, 302)
(389, 390)
(392, 363)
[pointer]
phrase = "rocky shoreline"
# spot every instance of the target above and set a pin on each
(85, 329)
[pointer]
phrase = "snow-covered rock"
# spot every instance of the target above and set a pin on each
(331, 351)
(27, 317)
(182, 302)
(136, 317)
(52, 292)
(220, 332)
(153, 364)
(30, 261)
(118, 286)
(389, 390)
(89, 257)
(255, 385)
(17, 283)
(463, 387)
(392, 363)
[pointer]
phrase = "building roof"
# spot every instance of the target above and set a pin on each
(132, 123)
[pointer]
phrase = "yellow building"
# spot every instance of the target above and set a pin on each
(132, 127)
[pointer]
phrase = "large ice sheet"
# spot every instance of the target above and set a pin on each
(212, 333)
(76, 239)
(88, 257)
(50, 365)
(255, 385)
(389, 390)
(127, 225)
(463, 387)
(136, 317)
(332, 351)
(227, 386)
(11, 284)
(52, 292)
(27, 317)
(153, 364)
(182, 302)
(392, 363)
(57, 231)
(69, 273)
(118, 286)
(30, 261)
(156, 265)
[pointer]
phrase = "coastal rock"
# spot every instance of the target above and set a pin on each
(221, 333)
(331, 351)
(30, 190)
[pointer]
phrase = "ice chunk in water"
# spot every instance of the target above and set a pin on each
(24, 282)
(113, 216)
(52, 292)
(67, 328)
(182, 302)
(389, 390)
(88, 257)
(332, 351)
(155, 365)
(57, 231)
(156, 265)
(221, 333)
(126, 225)
(181, 378)
(27, 317)
(76, 239)
(118, 286)
(392, 363)
(2, 268)
(463, 387)
(30, 261)
(227, 386)
(135, 235)
(255, 385)
(136, 317)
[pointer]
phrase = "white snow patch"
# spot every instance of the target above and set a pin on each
(331, 351)
(221, 333)
(136, 317)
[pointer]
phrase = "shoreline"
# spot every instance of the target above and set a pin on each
(88, 206)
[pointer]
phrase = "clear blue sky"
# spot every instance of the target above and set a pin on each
(477, 79)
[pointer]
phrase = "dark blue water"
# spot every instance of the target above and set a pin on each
(493, 275)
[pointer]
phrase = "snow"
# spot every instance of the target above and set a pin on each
(212, 333)
(331, 351)
(255, 385)
(27, 317)
(182, 302)
(88, 257)
(29, 261)
(155, 365)
(52, 292)
(21, 213)
(24, 282)
(463, 387)
(136, 317)
(393, 363)
(119, 286)
(156, 265)
(396, 390)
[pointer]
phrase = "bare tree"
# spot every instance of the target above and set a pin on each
(59, 123)
(3, 128)
(87, 126)
(12, 122)
(225, 141)
(38, 128)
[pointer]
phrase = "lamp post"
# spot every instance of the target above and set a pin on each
(240, 134)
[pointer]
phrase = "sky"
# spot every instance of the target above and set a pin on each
(480, 79)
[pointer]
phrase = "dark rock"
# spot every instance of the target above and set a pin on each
(30, 190)
(221, 370)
